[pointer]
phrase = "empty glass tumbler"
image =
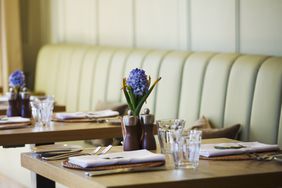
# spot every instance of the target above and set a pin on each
(166, 129)
(42, 109)
(186, 149)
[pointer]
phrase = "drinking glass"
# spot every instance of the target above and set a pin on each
(42, 109)
(186, 149)
(167, 129)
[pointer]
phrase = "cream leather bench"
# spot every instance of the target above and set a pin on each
(227, 88)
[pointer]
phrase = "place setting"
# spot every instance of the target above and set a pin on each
(100, 161)
(64, 151)
(240, 151)
(102, 116)
(14, 122)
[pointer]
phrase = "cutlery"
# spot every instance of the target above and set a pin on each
(96, 150)
(62, 156)
(76, 153)
(106, 150)
(123, 170)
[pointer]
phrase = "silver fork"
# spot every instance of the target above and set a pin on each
(105, 150)
(66, 155)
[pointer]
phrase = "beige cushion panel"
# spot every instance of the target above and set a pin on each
(116, 75)
(63, 73)
(42, 68)
(101, 76)
(51, 70)
(192, 83)
(240, 92)
(279, 141)
(168, 91)
(280, 129)
(87, 77)
(214, 88)
(151, 65)
(73, 81)
(267, 102)
(134, 60)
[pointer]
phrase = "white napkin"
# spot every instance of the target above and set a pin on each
(71, 115)
(82, 115)
(4, 98)
(127, 157)
(209, 150)
(15, 119)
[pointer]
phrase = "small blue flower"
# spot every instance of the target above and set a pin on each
(137, 80)
(17, 79)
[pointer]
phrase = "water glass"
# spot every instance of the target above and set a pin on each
(42, 109)
(186, 149)
(167, 129)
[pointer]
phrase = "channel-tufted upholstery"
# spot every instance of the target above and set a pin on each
(227, 88)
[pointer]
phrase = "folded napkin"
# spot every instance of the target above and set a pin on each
(128, 157)
(16, 119)
(4, 98)
(210, 150)
(85, 115)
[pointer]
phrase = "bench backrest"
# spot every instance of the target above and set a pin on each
(227, 88)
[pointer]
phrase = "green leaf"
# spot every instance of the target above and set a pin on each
(127, 99)
(132, 99)
(126, 94)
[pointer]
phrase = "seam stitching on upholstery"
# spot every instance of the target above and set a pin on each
(203, 82)
(67, 76)
(123, 69)
(180, 83)
(58, 70)
(279, 114)
(108, 70)
(226, 89)
(158, 75)
(79, 78)
(93, 78)
(252, 97)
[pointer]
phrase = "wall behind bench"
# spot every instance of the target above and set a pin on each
(245, 26)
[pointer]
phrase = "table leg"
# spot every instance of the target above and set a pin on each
(39, 181)
(42, 182)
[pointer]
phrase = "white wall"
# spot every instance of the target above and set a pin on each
(247, 26)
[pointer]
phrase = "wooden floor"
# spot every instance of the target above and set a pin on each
(9, 183)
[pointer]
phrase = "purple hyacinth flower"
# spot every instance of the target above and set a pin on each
(17, 79)
(137, 80)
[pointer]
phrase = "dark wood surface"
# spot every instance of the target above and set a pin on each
(58, 131)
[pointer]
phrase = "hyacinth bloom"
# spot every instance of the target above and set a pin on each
(17, 79)
(137, 88)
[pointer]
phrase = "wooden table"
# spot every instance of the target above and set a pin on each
(56, 132)
(209, 174)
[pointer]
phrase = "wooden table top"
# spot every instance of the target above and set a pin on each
(209, 174)
(58, 131)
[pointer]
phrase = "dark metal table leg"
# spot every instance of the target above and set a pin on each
(42, 182)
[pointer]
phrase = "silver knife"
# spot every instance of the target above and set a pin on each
(123, 170)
